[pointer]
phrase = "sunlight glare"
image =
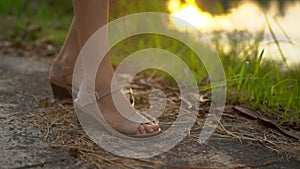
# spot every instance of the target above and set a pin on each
(189, 12)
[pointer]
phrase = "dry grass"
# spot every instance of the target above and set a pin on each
(58, 120)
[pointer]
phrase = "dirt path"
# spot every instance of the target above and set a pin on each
(23, 82)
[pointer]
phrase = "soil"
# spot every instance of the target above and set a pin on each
(22, 83)
(238, 143)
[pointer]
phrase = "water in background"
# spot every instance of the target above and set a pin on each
(280, 17)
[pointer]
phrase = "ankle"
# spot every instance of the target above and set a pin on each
(60, 73)
(63, 64)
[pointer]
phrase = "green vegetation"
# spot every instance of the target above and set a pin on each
(252, 80)
(50, 18)
(264, 84)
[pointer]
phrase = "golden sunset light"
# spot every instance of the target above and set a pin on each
(190, 12)
(195, 18)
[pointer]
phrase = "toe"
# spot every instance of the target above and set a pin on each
(142, 129)
(154, 126)
(149, 129)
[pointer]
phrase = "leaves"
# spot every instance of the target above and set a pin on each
(265, 121)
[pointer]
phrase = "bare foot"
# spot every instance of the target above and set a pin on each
(63, 78)
(118, 121)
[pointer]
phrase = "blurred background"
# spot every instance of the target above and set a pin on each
(25, 21)
(258, 42)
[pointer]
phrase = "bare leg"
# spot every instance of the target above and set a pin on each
(63, 65)
(71, 48)
(90, 16)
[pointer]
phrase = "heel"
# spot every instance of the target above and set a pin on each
(59, 92)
